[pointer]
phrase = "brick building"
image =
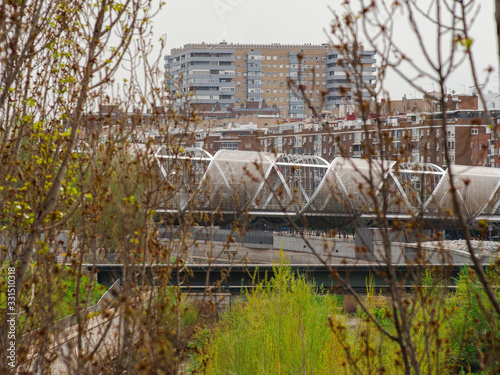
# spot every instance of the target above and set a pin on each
(415, 137)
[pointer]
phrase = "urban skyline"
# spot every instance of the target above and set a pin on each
(224, 75)
(286, 22)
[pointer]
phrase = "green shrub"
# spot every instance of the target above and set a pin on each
(284, 327)
(473, 325)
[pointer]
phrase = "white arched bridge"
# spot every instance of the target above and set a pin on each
(318, 193)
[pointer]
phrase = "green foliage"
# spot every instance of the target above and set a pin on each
(65, 294)
(115, 195)
(285, 326)
(473, 325)
(58, 296)
(281, 329)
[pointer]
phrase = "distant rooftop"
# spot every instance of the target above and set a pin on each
(226, 45)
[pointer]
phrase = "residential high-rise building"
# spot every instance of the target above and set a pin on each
(227, 75)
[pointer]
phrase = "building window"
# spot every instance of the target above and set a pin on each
(230, 145)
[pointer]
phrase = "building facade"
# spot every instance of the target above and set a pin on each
(469, 138)
(257, 75)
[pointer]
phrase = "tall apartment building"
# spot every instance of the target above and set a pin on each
(256, 76)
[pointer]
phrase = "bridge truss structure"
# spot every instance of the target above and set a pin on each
(314, 192)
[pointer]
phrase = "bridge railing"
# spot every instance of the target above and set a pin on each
(131, 258)
(267, 185)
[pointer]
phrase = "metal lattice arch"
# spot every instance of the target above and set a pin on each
(309, 189)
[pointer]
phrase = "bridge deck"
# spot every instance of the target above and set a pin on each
(236, 276)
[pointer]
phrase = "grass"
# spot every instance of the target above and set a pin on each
(286, 327)
(59, 291)
(64, 297)
(280, 329)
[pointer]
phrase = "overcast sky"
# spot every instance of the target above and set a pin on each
(300, 21)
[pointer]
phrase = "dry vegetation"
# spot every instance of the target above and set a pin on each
(57, 61)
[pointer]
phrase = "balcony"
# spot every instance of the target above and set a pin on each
(195, 59)
(336, 85)
(365, 60)
(298, 143)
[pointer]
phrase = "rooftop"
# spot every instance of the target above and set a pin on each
(272, 46)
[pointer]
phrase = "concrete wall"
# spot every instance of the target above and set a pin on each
(322, 245)
(211, 242)
(436, 255)
(252, 240)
